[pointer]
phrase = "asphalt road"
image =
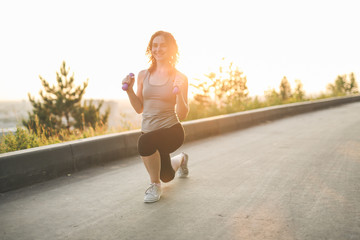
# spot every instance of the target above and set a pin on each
(294, 178)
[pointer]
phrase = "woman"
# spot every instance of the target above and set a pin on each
(161, 108)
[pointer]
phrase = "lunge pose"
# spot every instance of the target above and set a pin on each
(162, 98)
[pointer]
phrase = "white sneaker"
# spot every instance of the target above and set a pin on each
(183, 169)
(153, 193)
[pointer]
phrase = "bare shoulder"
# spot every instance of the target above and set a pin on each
(142, 75)
(182, 75)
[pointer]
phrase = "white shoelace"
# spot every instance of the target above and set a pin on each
(153, 189)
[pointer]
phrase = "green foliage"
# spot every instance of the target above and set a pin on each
(204, 105)
(353, 86)
(25, 138)
(58, 116)
(229, 86)
(273, 97)
(285, 94)
(88, 115)
(60, 107)
(299, 93)
(343, 85)
(285, 89)
(222, 92)
(22, 139)
(206, 101)
(198, 111)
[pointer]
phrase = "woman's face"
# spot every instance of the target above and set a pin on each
(160, 49)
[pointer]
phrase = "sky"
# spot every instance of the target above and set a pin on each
(313, 41)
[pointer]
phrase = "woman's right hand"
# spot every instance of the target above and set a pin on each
(129, 80)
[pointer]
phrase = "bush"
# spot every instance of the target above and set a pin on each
(25, 138)
(21, 139)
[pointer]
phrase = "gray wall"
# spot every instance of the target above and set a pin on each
(26, 167)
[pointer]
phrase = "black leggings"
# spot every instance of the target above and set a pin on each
(166, 141)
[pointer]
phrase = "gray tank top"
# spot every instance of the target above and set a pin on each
(159, 105)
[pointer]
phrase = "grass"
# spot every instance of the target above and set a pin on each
(212, 109)
(24, 138)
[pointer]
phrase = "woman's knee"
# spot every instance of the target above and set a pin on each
(146, 147)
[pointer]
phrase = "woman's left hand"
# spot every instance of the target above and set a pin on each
(182, 108)
(179, 82)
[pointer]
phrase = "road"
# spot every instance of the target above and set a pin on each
(294, 178)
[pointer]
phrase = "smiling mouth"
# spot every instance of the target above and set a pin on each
(159, 54)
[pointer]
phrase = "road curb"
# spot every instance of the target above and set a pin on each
(26, 167)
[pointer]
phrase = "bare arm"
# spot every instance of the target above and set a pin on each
(182, 107)
(136, 100)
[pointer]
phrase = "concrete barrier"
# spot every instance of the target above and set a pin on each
(26, 167)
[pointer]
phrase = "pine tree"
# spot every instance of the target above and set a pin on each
(88, 115)
(59, 105)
